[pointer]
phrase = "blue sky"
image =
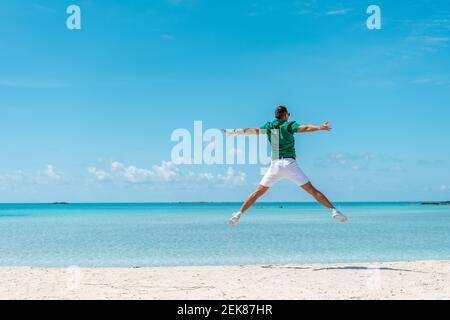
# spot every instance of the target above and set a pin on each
(87, 115)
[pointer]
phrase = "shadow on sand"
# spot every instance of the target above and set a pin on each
(366, 268)
(340, 268)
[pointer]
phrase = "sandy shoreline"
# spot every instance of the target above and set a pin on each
(396, 280)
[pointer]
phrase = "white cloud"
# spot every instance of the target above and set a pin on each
(48, 176)
(431, 162)
(422, 81)
(232, 177)
(50, 173)
(136, 175)
(429, 43)
(31, 84)
(165, 173)
(11, 179)
(428, 81)
(133, 174)
(117, 166)
(305, 7)
(359, 162)
(429, 39)
(99, 175)
(338, 12)
(207, 176)
(167, 37)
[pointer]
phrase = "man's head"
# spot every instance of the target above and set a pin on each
(281, 113)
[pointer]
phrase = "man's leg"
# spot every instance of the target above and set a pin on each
(324, 201)
(317, 195)
(260, 190)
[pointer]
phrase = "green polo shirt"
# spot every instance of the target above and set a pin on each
(281, 134)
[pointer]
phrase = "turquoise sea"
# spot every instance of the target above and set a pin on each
(125, 235)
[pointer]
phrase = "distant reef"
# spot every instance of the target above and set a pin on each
(436, 203)
(58, 203)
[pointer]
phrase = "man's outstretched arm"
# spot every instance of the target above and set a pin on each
(311, 128)
(244, 131)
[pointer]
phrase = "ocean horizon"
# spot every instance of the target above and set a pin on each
(210, 202)
(197, 233)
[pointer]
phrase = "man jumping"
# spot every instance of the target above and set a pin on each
(280, 133)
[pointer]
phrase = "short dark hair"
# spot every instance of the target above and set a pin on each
(280, 112)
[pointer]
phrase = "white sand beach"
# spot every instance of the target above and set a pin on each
(399, 280)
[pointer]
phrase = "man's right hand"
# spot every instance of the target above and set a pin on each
(325, 126)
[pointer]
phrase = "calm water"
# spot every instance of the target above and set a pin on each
(109, 235)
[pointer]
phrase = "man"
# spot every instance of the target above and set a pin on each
(280, 133)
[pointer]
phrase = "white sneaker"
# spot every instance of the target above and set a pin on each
(235, 218)
(338, 216)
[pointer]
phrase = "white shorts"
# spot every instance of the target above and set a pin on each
(284, 169)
